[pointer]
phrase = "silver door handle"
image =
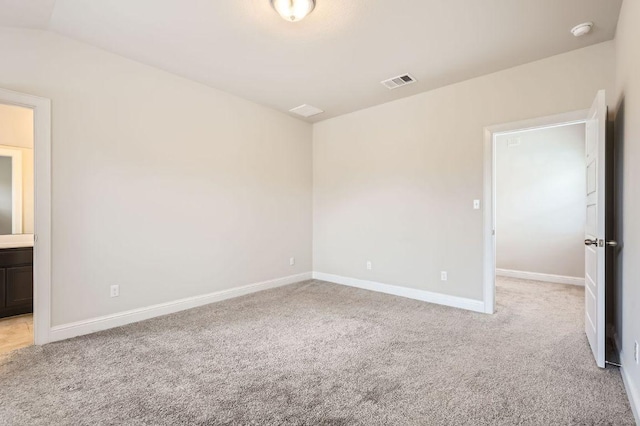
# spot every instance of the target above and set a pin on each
(612, 243)
(588, 242)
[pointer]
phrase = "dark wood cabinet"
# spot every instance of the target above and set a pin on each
(16, 281)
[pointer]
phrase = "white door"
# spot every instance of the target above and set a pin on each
(595, 242)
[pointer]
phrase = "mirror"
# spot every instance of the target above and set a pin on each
(10, 191)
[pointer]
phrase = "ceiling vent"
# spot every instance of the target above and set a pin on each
(306, 110)
(512, 142)
(399, 81)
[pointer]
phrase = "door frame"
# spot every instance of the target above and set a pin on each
(42, 208)
(489, 183)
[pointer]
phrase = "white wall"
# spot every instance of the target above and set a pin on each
(394, 184)
(540, 201)
(164, 186)
(16, 130)
(627, 136)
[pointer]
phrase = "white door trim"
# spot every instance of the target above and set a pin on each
(489, 219)
(42, 208)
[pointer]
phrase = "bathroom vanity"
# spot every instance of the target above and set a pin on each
(16, 281)
(16, 228)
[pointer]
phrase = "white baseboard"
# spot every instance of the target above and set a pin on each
(79, 328)
(411, 293)
(633, 393)
(550, 278)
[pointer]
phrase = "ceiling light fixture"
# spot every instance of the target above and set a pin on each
(293, 10)
(582, 29)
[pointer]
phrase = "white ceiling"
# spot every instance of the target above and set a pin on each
(335, 58)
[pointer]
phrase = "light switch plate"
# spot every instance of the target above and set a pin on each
(476, 204)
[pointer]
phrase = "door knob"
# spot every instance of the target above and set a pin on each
(589, 242)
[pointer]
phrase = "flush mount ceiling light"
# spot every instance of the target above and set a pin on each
(293, 10)
(582, 29)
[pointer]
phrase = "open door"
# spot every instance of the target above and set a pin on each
(595, 238)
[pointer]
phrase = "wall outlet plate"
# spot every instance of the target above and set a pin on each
(444, 276)
(292, 261)
(115, 291)
(636, 353)
(369, 265)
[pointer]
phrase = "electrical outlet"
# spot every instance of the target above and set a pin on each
(369, 265)
(636, 353)
(292, 261)
(115, 290)
(476, 204)
(443, 276)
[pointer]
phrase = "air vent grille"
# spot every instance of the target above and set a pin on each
(513, 142)
(306, 110)
(399, 81)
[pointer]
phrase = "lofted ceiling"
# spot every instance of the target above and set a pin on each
(336, 57)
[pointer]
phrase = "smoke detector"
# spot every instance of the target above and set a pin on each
(399, 81)
(582, 29)
(306, 110)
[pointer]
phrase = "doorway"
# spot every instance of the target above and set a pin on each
(540, 187)
(523, 252)
(25, 220)
(16, 227)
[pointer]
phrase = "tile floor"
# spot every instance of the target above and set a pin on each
(15, 333)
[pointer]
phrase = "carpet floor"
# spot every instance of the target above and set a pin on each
(321, 354)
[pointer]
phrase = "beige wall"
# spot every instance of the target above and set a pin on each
(394, 184)
(16, 126)
(627, 132)
(16, 130)
(164, 186)
(540, 201)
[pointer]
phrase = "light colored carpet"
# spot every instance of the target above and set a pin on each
(318, 353)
